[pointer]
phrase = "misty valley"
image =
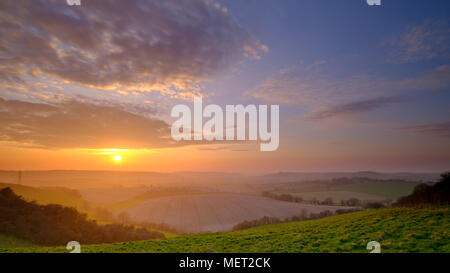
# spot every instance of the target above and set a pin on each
(170, 205)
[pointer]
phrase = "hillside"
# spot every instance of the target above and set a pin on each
(54, 225)
(64, 197)
(9, 241)
(214, 212)
(386, 189)
(49, 195)
(148, 195)
(339, 189)
(397, 229)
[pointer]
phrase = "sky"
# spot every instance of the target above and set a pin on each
(359, 87)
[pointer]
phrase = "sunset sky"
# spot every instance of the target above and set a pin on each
(359, 87)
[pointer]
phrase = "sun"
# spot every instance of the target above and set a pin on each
(117, 158)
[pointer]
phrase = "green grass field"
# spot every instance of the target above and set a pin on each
(337, 196)
(7, 241)
(397, 230)
(362, 189)
(387, 189)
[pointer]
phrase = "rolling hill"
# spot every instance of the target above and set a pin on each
(339, 189)
(212, 212)
(49, 195)
(386, 189)
(396, 229)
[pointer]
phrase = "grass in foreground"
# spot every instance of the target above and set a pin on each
(397, 230)
(7, 241)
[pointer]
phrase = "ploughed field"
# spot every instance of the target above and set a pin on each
(215, 211)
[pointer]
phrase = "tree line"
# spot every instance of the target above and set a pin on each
(425, 194)
(266, 220)
(351, 202)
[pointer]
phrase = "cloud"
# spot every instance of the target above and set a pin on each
(432, 129)
(76, 124)
(166, 46)
(306, 84)
(355, 107)
(315, 84)
(437, 79)
(425, 41)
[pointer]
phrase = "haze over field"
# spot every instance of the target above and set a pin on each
(192, 202)
(217, 211)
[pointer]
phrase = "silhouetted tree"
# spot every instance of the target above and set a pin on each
(123, 217)
(354, 202)
(373, 205)
(424, 194)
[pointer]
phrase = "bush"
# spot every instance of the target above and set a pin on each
(258, 222)
(373, 205)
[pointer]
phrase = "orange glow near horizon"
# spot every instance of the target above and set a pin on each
(193, 158)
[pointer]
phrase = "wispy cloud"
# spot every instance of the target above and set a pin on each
(355, 107)
(167, 46)
(76, 124)
(425, 41)
(431, 129)
(316, 85)
(324, 95)
(309, 84)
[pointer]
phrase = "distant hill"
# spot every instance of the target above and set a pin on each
(85, 179)
(48, 195)
(396, 229)
(308, 176)
(213, 181)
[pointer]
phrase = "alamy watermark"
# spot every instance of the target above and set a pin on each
(213, 129)
(74, 246)
(374, 247)
(374, 2)
(73, 2)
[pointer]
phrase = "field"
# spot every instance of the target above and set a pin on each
(215, 211)
(396, 229)
(7, 241)
(147, 195)
(336, 195)
(387, 189)
(361, 188)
